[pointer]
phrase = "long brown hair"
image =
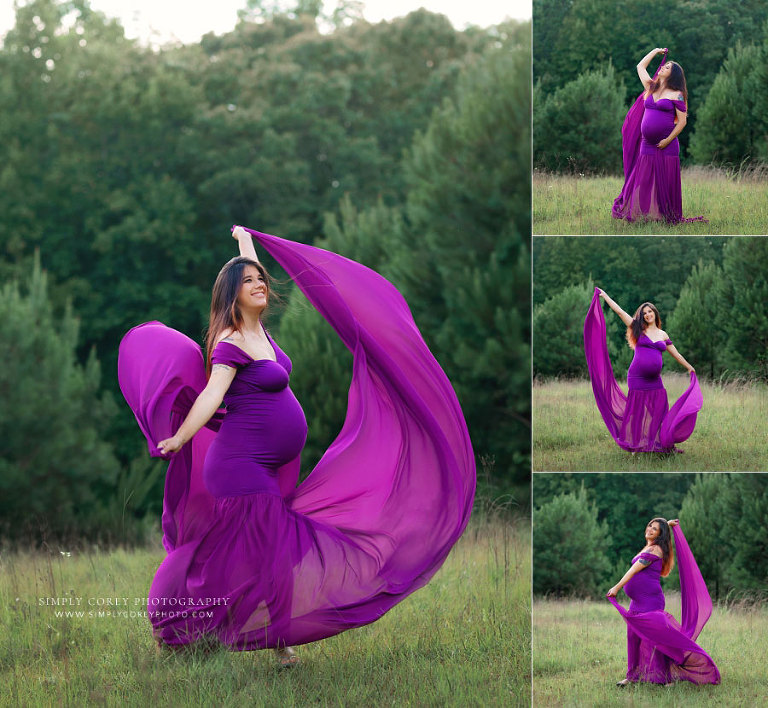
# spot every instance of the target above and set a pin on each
(637, 326)
(675, 81)
(664, 541)
(225, 312)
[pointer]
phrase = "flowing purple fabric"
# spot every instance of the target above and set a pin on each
(254, 560)
(652, 187)
(642, 420)
(659, 649)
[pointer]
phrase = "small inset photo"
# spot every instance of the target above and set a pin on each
(649, 587)
(649, 354)
(649, 122)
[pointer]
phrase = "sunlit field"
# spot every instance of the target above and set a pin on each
(733, 203)
(730, 436)
(579, 653)
(464, 639)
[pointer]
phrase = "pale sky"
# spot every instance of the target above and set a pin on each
(161, 21)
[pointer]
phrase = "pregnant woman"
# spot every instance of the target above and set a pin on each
(659, 649)
(254, 561)
(642, 420)
(651, 149)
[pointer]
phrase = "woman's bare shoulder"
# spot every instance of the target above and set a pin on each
(229, 335)
(656, 551)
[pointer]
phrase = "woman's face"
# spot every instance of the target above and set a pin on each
(652, 531)
(649, 316)
(665, 70)
(253, 290)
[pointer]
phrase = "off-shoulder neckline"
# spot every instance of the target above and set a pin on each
(271, 341)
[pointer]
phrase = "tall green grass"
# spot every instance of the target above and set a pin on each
(734, 202)
(730, 436)
(580, 652)
(464, 639)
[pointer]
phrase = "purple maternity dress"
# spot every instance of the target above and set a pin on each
(254, 561)
(659, 649)
(642, 420)
(652, 187)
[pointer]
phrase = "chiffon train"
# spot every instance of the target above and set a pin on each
(372, 522)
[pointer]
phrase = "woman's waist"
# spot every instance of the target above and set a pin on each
(648, 602)
(234, 476)
(249, 418)
(644, 588)
(648, 145)
(645, 369)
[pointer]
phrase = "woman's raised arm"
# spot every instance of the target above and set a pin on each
(642, 67)
(625, 318)
(204, 407)
(245, 243)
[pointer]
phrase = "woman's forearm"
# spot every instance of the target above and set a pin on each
(679, 358)
(679, 126)
(643, 64)
(202, 410)
(615, 307)
(636, 568)
(626, 577)
(245, 243)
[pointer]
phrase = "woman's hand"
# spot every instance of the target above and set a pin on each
(691, 370)
(169, 445)
(602, 293)
(663, 143)
(238, 231)
(613, 591)
(674, 522)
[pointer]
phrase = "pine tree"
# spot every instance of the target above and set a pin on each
(700, 303)
(731, 127)
(463, 258)
(577, 128)
(54, 465)
(569, 547)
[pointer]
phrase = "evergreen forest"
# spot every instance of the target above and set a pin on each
(711, 292)
(584, 71)
(588, 527)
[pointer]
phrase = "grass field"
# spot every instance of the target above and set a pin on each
(464, 639)
(564, 204)
(569, 434)
(579, 653)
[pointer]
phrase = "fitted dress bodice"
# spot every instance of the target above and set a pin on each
(644, 588)
(645, 370)
(263, 429)
(658, 122)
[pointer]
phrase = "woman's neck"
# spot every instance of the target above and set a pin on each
(251, 322)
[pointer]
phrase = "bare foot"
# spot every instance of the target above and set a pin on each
(623, 682)
(287, 656)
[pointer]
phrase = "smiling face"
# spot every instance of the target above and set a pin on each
(649, 316)
(652, 531)
(254, 292)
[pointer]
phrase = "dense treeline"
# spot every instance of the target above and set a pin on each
(585, 54)
(711, 292)
(404, 145)
(588, 527)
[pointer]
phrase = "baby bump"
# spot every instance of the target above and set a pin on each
(270, 428)
(646, 365)
(254, 440)
(656, 125)
(645, 592)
